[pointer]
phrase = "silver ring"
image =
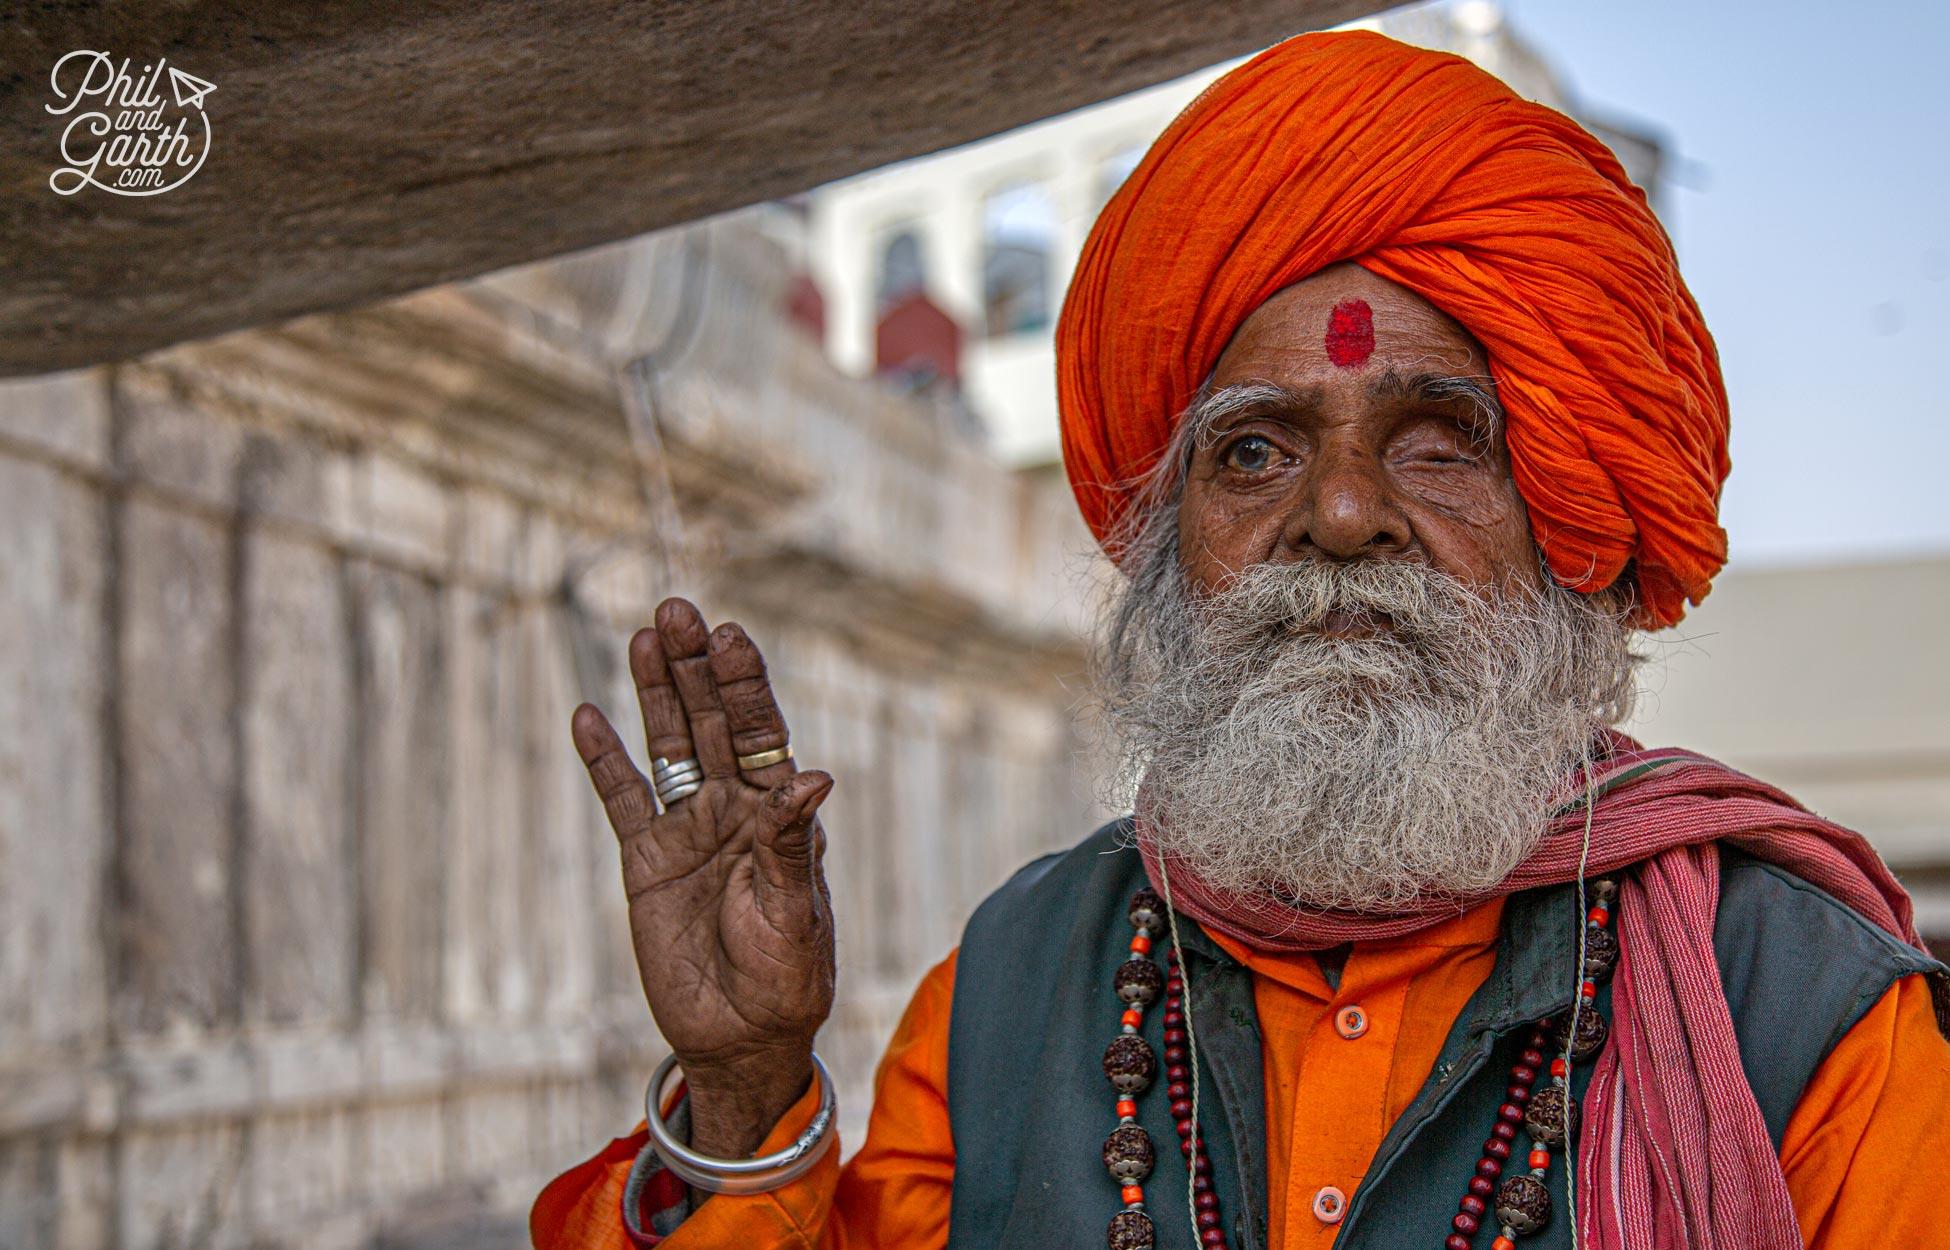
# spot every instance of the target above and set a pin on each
(741, 1176)
(676, 792)
(674, 780)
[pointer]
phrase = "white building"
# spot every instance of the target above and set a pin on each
(1828, 681)
(993, 230)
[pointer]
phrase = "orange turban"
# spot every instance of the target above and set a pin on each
(1506, 215)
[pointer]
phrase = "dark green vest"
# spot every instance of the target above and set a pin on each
(1033, 1009)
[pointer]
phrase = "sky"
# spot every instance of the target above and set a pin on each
(1812, 220)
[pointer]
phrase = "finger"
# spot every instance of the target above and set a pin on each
(751, 709)
(665, 731)
(790, 844)
(622, 789)
(685, 642)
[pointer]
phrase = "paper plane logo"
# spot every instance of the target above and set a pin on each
(189, 89)
(123, 134)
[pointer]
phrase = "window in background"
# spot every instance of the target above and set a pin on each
(902, 269)
(1018, 242)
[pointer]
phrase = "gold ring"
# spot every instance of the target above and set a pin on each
(765, 759)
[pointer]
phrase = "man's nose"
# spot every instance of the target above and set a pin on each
(1345, 509)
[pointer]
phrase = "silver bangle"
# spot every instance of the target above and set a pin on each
(741, 1176)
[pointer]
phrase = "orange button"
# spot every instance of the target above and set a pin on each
(1330, 1204)
(1350, 1022)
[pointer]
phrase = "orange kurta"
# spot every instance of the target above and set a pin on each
(1873, 1110)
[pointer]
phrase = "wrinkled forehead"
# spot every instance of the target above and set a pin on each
(1341, 323)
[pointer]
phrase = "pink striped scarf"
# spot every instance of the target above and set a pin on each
(1673, 1151)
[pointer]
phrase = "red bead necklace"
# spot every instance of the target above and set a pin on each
(1521, 1204)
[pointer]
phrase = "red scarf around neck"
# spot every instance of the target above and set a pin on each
(1672, 1151)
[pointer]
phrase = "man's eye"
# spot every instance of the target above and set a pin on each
(1251, 454)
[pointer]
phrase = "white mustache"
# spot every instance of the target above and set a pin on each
(1420, 605)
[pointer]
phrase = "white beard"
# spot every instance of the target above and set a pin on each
(1356, 773)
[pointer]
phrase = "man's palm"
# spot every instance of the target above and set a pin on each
(723, 950)
(728, 907)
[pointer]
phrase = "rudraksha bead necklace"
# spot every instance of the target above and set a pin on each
(1130, 1066)
(1520, 1205)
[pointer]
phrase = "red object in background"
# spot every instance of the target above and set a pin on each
(805, 305)
(915, 337)
(1350, 333)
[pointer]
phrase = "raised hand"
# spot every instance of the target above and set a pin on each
(729, 911)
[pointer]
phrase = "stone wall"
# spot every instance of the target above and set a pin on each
(310, 930)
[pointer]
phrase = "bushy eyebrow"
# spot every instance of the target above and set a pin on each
(1213, 411)
(1394, 383)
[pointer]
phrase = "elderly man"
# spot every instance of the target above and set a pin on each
(1381, 388)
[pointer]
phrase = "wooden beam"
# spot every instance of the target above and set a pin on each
(361, 149)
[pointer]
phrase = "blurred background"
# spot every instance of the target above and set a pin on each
(311, 933)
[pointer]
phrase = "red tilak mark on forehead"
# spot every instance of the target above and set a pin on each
(1350, 333)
